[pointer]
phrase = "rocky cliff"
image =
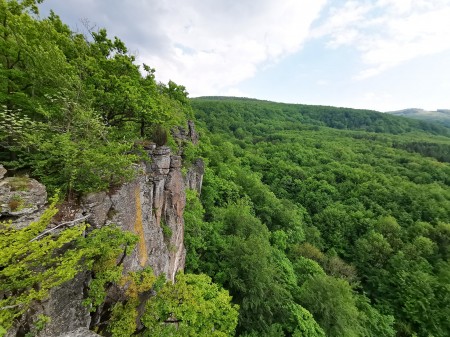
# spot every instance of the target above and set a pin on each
(150, 206)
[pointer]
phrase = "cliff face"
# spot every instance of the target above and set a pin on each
(150, 206)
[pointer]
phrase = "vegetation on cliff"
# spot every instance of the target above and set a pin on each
(75, 112)
(73, 106)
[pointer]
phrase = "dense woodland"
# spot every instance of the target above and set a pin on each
(313, 220)
(336, 213)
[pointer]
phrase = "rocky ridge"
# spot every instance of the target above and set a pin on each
(150, 206)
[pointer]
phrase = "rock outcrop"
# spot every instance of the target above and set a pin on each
(21, 199)
(81, 332)
(186, 135)
(151, 206)
(194, 176)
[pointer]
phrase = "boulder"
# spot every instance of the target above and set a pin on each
(21, 199)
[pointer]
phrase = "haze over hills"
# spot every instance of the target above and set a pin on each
(441, 116)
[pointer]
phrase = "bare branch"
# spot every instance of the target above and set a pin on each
(69, 223)
(11, 306)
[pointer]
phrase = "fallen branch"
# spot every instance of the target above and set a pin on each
(11, 306)
(69, 223)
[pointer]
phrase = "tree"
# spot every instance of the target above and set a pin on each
(333, 305)
(31, 264)
(192, 306)
(33, 260)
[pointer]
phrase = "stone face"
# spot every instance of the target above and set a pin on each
(65, 307)
(175, 162)
(150, 206)
(160, 161)
(183, 135)
(97, 205)
(192, 134)
(174, 203)
(21, 199)
(194, 176)
(81, 332)
(2, 171)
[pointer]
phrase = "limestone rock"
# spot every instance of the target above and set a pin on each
(192, 134)
(152, 207)
(182, 134)
(97, 205)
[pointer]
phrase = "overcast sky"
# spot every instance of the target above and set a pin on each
(376, 54)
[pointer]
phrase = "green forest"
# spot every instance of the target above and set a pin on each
(312, 220)
(344, 213)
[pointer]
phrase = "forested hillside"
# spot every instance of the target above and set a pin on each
(318, 221)
(324, 221)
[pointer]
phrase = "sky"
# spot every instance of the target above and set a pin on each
(383, 55)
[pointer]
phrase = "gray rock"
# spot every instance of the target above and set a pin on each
(194, 176)
(98, 206)
(152, 207)
(81, 332)
(192, 134)
(175, 161)
(65, 307)
(2, 171)
(182, 135)
(22, 199)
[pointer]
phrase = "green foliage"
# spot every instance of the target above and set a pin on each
(192, 306)
(332, 304)
(101, 250)
(81, 165)
(369, 192)
(30, 264)
(71, 107)
(33, 263)
(123, 319)
(304, 323)
(198, 233)
(124, 315)
(167, 231)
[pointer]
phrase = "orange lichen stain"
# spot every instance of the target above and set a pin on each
(139, 229)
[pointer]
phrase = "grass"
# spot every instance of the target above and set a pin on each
(19, 183)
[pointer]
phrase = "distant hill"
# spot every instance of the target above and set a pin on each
(441, 116)
(242, 110)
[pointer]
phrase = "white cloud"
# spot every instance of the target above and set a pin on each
(225, 42)
(388, 32)
(208, 46)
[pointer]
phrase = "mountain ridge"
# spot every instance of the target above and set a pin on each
(441, 116)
